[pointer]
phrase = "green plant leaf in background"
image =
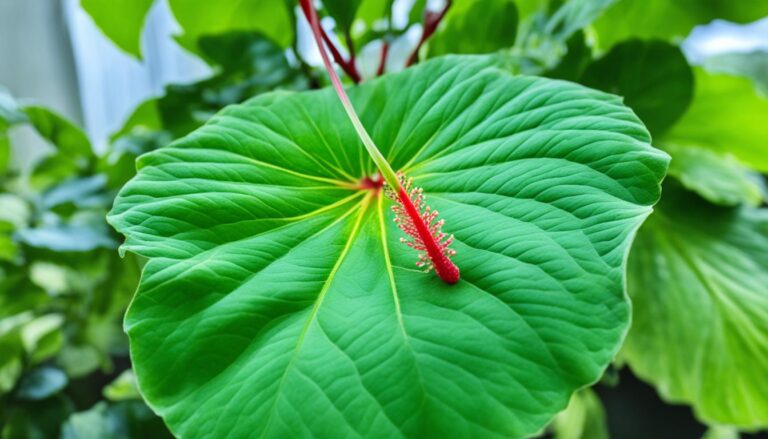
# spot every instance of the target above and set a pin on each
(492, 25)
(200, 18)
(278, 300)
(719, 178)
(727, 116)
(583, 419)
(670, 19)
(121, 21)
(653, 77)
(698, 278)
(753, 65)
(344, 12)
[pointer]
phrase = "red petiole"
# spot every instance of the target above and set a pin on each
(412, 215)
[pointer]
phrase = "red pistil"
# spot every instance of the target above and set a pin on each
(419, 222)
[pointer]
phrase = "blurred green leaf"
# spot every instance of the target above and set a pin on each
(41, 383)
(698, 278)
(78, 360)
(717, 177)
(61, 133)
(42, 337)
(123, 387)
(123, 420)
(670, 19)
(583, 419)
(577, 57)
(476, 27)
(121, 21)
(653, 77)
(721, 432)
(249, 65)
(201, 18)
(343, 11)
(67, 238)
(37, 419)
(753, 65)
(726, 116)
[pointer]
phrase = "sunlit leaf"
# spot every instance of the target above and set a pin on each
(727, 115)
(583, 419)
(200, 18)
(670, 20)
(492, 25)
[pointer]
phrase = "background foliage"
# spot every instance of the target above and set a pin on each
(698, 270)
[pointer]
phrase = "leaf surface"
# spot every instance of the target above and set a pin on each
(278, 300)
(670, 20)
(200, 18)
(727, 116)
(653, 77)
(711, 263)
(121, 21)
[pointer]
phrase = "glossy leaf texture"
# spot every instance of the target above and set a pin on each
(279, 302)
(711, 262)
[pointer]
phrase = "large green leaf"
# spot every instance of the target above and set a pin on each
(200, 18)
(670, 19)
(698, 278)
(278, 300)
(476, 27)
(653, 77)
(121, 21)
(727, 115)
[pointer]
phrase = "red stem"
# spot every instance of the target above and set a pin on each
(383, 60)
(347, 65)
(445, 269)
(431, 21)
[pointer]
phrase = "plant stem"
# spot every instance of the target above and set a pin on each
(431, 22)
(381, 163)
(348, 66)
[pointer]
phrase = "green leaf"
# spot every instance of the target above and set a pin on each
(201, 18)
(577, 58)
(124, 420)
(36, 419)
(698, 278)
(42, 383)
(343, 11)
(753, 65)
(653, 77)
(278, 300)
(121, 21)
(583, 419)
(61, 133)
(124, 387)
(718, 178)
(476, 27)
(670, 20)
(726, 116)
